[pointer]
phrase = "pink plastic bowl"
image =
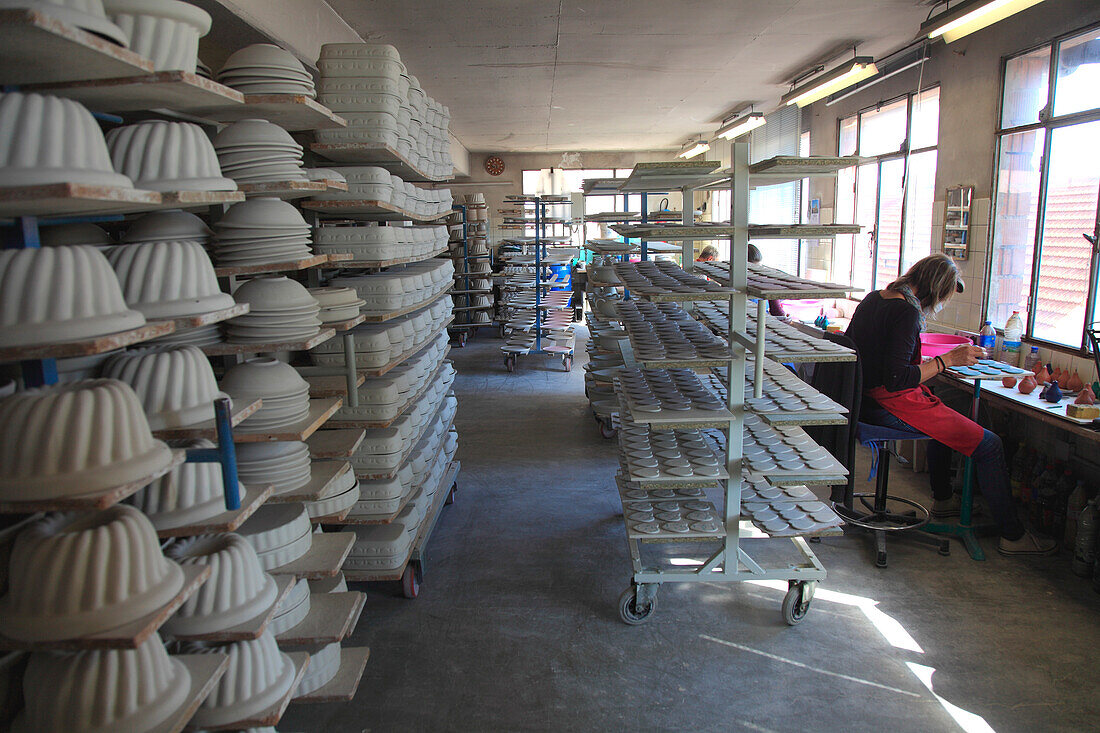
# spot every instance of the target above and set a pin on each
(938, 344)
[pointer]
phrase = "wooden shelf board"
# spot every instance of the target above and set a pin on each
(227, 521)
(207, 428)
(373, 153)
(286, 190)
(251, 629)
(75, 199)
(342, 687)
(320, 410)
(128, 636)
(226, 349)
(322, 475)
(273, 714)
(332, 520)
(331, 617)
(90, 502)
(200, 199)
(371, 209)
(364, 520)
(801, 231)
(36, 48)
(88, 346)
(334, 444)
(324, 558)
(334, 386)
(205, 319)
(294, 112)
(341, 326)
(204, 670)
(285, 266)
(383, 317)
(179, 91)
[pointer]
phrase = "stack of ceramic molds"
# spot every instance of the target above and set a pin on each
(368, 243)
(378, 186)
(605, 359)
(379, 344)
(366, 84)
(474, 301)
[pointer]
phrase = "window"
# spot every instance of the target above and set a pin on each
(566, 181)
(1047, 191)
(891, 193)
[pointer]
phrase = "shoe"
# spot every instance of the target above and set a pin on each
(947, 508)
(1029, 544)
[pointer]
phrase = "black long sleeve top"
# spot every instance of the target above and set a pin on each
(886, 332)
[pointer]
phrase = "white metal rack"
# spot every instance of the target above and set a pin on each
(763, 497)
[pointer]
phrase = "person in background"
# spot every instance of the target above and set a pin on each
(886, 329)
(775, 308)
(709, 254)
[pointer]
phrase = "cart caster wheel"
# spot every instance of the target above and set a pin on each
(607, 430)
(797, 602)
(510, 363)
(567, 362)
(880, 560)
(410, 581)
(629, 610)
(451, 495)
(945, 548)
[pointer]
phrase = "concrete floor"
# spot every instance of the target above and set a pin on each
(516, 627)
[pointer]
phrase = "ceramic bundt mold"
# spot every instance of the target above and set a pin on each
(323, 666)
(76, 574)
(167, 156)
(46, 139)
(103, 690)
(189, 494)
(165, 31)
(168, 279)
(87, 436)
(258, 676)
(60, 294)
(237, 590)
(175, 384)
(293, 609)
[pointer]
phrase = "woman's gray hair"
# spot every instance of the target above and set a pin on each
(933, 280)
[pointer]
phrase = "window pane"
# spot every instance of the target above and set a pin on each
(883, 130)
(919, 196)
(848, 141)
(1065, 260)
(866, 204)
(1078, 85)
(1027, 79)
(926, 120)
(889, 222)
(845, 214)
(1016, 208)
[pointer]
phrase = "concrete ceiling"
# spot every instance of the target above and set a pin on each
(523, 76)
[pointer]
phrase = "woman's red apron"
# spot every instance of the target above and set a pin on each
(922, 410)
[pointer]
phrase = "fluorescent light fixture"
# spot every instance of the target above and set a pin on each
(842, 77)
(972, 15)
(691, 150)
(741, 125)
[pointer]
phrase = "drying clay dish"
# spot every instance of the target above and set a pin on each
(175, 384)
(189, 494)
(167, 156)
(323, 666)
(103, 690)
(168, 279)
(75, 574)
(60, 294)
(279, 533)
(294, 608)
(166, 31)
(259, 675)
(237, 590)
(88, 436)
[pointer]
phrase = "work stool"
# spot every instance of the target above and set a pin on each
(878, 517)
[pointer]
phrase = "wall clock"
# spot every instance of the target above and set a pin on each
(494, 166)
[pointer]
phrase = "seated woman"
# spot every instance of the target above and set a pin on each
(886, 329)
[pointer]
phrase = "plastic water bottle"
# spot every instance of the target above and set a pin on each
(1010, 344)
(1084, 549)
(1032, 359)
(987, 337)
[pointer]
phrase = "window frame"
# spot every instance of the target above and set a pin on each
(904, 153)
(1048, 123)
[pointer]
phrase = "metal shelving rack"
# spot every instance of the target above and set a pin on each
(467, 326)
(529, 332)
(760, 499)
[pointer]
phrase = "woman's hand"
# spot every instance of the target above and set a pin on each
(963, 355)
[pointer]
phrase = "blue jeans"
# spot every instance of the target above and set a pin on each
(989, 467)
